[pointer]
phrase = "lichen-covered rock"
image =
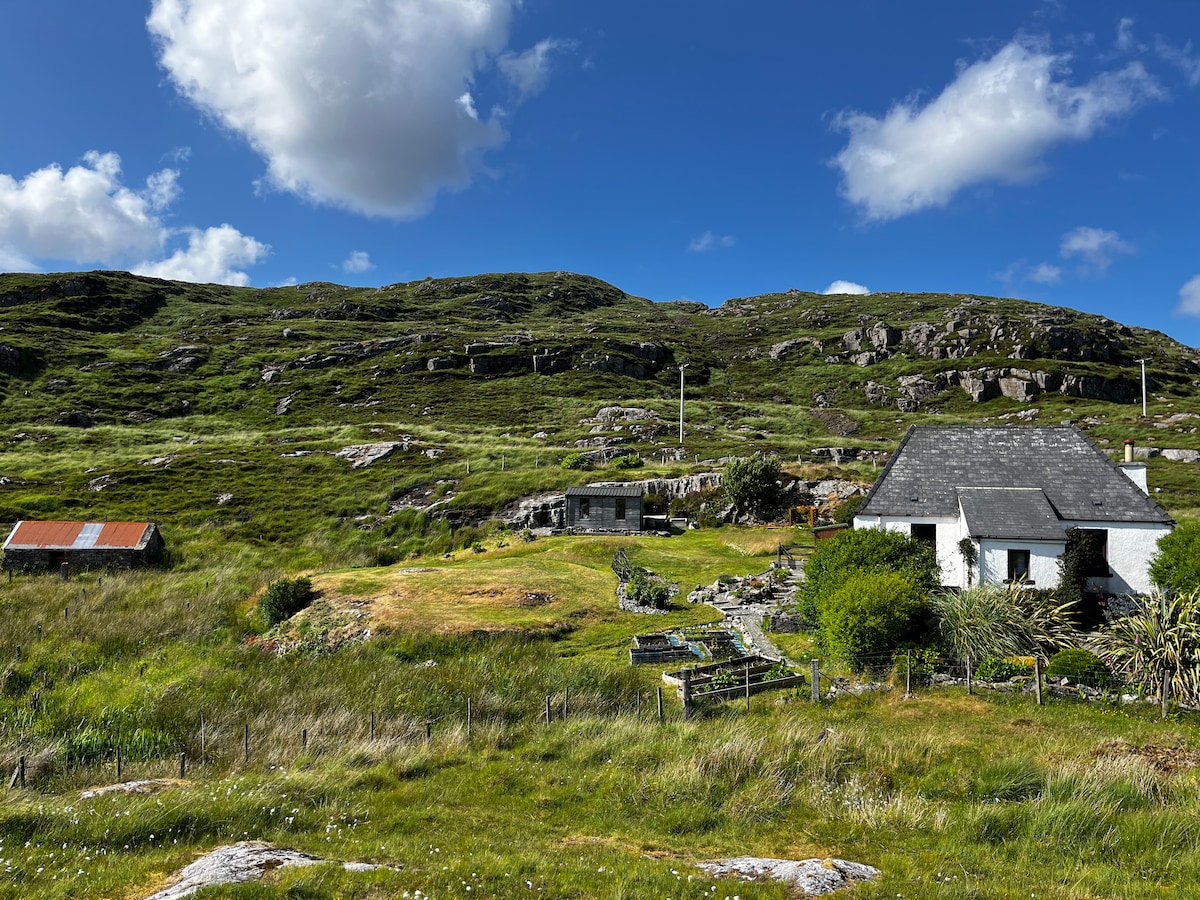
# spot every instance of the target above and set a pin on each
(815, 877)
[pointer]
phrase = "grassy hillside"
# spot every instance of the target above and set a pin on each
(220, 413)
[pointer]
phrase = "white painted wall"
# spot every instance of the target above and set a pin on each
(1130, 547)
(949, 530)
(1043, 561)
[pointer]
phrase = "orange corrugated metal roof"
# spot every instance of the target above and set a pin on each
(75, 535)
(125, 535)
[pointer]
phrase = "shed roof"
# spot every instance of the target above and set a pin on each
(80, 536)
(605, 490)
(933, 463)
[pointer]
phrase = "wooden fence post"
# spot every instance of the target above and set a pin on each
(1164, 695)
(1037, 679)
(428, 732)
(21, 770)
(303, 739)
(660, 706)
(638, 695)
(118, 763)
(816, 681)
(566, 702)
(908, 674)
(182, 764)
(970, 686)
(468, 718)
(747, 685)
(246, 743)
(547, 709)
(372, 724)
(686, 675)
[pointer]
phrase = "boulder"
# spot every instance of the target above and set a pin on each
(361, 455)
(74, 419)
(811, 877)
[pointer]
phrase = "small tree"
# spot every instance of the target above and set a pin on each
(870, 616)
(1176, 565)
(752, 483)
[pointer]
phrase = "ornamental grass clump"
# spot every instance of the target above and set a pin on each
(1160, 645)
(990, 620)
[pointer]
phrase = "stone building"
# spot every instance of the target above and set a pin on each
(45, 546)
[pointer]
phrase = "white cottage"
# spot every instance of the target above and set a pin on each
(1012, 492)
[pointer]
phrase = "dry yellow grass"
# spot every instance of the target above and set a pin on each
(503, 596)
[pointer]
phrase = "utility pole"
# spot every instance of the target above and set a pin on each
(1143, 362)
(681, 368)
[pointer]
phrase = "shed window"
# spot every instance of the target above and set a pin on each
(1018, 565)
(620, 507)
(585, 506)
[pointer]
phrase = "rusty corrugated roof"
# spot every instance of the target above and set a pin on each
(77, 535)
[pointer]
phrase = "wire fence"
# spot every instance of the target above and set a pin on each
(688, 693)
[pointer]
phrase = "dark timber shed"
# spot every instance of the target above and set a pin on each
(605, 507)
(42, 546)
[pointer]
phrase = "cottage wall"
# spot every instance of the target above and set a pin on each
(1043, 561)
(1130, 548)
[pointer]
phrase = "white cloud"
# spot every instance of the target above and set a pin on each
(709, 241)
(846, 287)
(1044, 273)
(992, 123)
(358, 261)
(1181, 57)
(529, 71)
(87, 216)
(1095, 246)
(212, 256)
(370, 106)
(1189, 298)
(82, 215)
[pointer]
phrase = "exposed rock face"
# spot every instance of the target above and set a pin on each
(74, 419)
(11, 359)
(813, 877)
(362, 455)
(239, 863)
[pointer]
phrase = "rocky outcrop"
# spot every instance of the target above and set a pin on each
(239, 863)
(362, 455)
(811, 877)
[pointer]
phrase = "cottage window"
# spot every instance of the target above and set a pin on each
(620, 507)
(1018, 565)
(585, 507)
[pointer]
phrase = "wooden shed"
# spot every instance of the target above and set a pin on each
(43, 546)
(605, 507)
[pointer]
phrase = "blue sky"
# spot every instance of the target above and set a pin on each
(701, 150)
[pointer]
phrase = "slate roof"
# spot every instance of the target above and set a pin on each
(1078, 480)
(80, 536)
(1010, 514)
(605, 490)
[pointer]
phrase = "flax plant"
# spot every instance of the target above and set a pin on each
(1160, 644)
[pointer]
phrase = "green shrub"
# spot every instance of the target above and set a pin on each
(752, 483)
(647, 591)
(629, 461)
(284, 598)
(844, 514)
(527, 536)
(999, 668)
(1176, 564)
(924, 664)
(863, 550)
(869, 617)
(575, 461)
(1080, 667)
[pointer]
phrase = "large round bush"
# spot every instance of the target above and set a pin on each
(872, 614)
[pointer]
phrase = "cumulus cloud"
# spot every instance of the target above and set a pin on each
(1189, 298)
(993, 123)
(82, 215)
(358, 261)
(846, 287)
(709, 241)
(369, 106)
(1095, 246)
(213, 255)
(87, 216)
